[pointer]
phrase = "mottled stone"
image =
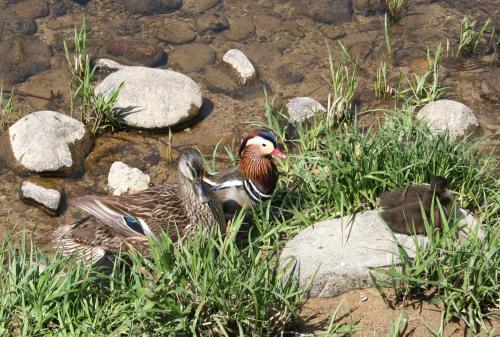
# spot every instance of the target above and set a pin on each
(153, 99)
(43, 193)
(46, 142)
(302, 108)
(123, 179)
(449, 116)
(240, 63)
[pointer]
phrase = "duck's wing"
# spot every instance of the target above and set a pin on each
(401, 196)
(90, 240)
(405, 219)
(224, 179)
(144, 213)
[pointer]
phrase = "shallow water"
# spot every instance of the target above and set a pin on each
(284, 40)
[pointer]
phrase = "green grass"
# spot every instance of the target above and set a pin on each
(6, 111)
(204, 286)
(396, 9)
(96, 110)
(470, 37)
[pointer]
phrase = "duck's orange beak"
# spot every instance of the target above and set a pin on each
(277, 153)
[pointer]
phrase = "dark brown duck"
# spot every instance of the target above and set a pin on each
(402, 208)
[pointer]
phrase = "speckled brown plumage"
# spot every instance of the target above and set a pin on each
(174, 209)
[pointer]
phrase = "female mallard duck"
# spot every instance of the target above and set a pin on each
(402, 208)
(115, 223)
(254, 179)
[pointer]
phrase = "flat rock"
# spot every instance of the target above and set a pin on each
(267, 22)
(327, 11)
(302, 108)
(215, 23)
(123, 179)
(240, 30)
(449, 115)
(126, 26)
(32, 9)
(199, 6)
(340, 253)
(104, 64)
(22, 57)
(12, 25)
(43, 193)
(287, 74)
(153, 99)
(135, 52)
(151, 7)
(192, 57)
(46, 142)
(175, 32)
(240, 63)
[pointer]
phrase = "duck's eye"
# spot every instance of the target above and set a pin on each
(264, 145)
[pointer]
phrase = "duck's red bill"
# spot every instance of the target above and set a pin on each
(277, 153)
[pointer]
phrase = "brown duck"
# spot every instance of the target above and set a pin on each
(402, 208)
(118, 223)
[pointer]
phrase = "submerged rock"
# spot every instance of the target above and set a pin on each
(211, 22)
(241, 29)
(153, 99)
(451, 116)
(43, 193)
(341, 253)
(192, 57)
(199, 6)
(302, 108)
(135, 52)
(175, 32)
(108, 65)
(46, 142)
(151, 7)
(22, 57)
(12, 25)
(123, 179)
(327, 11)
(240, 63)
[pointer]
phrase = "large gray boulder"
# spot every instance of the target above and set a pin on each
(449, 115)
(340, 253)
(46, 142)
(153, 99)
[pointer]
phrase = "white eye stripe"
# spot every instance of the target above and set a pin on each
(258, 140)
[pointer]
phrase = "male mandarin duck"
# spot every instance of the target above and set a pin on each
(254, 179)
(401, 208)
(118, 222)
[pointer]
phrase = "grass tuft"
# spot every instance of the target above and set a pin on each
(6, 111)
(470, 37)
(96, 110)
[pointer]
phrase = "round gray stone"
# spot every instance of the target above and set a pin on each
(46, 142)
(341, 253)
(153, 99)
(302, 108)
(447, 115)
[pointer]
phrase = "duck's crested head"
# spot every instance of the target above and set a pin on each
(192, 168)
(438, 183)
(261, 141)
(191, 164)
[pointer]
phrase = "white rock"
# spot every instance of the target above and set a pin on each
(108, 65)
(241, 64)
(342, 252)
(47, 197)
(153, 98)
(47, 141)
(123, 179)
(449, 115)
(301, 108)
